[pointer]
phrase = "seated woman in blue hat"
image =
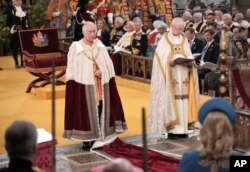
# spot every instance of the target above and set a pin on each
(216, 137)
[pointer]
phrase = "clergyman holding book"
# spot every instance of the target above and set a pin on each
(174, 87)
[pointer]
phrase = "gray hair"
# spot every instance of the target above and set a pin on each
(177, 21)
(188, 15)
(199, 15)
(87, 25)
(159, 24)
(227, 16)
(20, 139)
(218, 13)
(239, 15)
(137, 20)
(120, 19)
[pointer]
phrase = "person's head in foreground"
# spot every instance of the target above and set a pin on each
(119, 165)
(216, 134)
(20, 140)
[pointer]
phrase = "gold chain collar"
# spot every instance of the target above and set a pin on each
(91, 52)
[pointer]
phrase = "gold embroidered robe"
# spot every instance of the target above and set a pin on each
(174, 90)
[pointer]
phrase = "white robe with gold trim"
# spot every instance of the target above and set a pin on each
(170, 100)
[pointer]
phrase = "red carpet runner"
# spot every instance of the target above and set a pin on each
(156, 161)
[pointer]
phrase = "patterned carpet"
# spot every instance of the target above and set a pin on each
(80, 160)
(72, 158)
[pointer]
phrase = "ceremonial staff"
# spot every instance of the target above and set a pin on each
(53, 120)
(144, 140)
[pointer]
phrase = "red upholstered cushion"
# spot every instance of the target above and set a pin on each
(46, 63)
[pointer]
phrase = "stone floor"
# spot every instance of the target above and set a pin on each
(73, 159)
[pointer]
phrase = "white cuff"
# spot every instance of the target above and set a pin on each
(12, 30)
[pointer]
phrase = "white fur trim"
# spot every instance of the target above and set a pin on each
(80, 68)
(106, 141)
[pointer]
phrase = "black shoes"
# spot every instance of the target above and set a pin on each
(87, 145)
(19, 67)
(177, 136)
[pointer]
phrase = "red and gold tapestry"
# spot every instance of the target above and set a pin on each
(169, 11)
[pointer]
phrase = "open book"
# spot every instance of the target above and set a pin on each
(181, 60)
(120, 49)
(209, 65)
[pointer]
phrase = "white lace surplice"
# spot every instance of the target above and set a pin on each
(161, 110)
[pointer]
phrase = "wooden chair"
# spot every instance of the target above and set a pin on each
(40, 48)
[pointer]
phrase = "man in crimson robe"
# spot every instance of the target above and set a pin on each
(93, 109)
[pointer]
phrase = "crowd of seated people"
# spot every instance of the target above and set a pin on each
(203, 30)
(140, 35)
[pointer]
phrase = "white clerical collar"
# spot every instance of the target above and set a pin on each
(80, 47)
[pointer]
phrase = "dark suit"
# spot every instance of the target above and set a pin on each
(80, 16)
(190, 162)
(20, 165)
(217, 38)
(13, 21)
(196, 47)
(139, 43)
(201, 27)
(116, 34)
(188, 25)
(211, 55)
(105, 37)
